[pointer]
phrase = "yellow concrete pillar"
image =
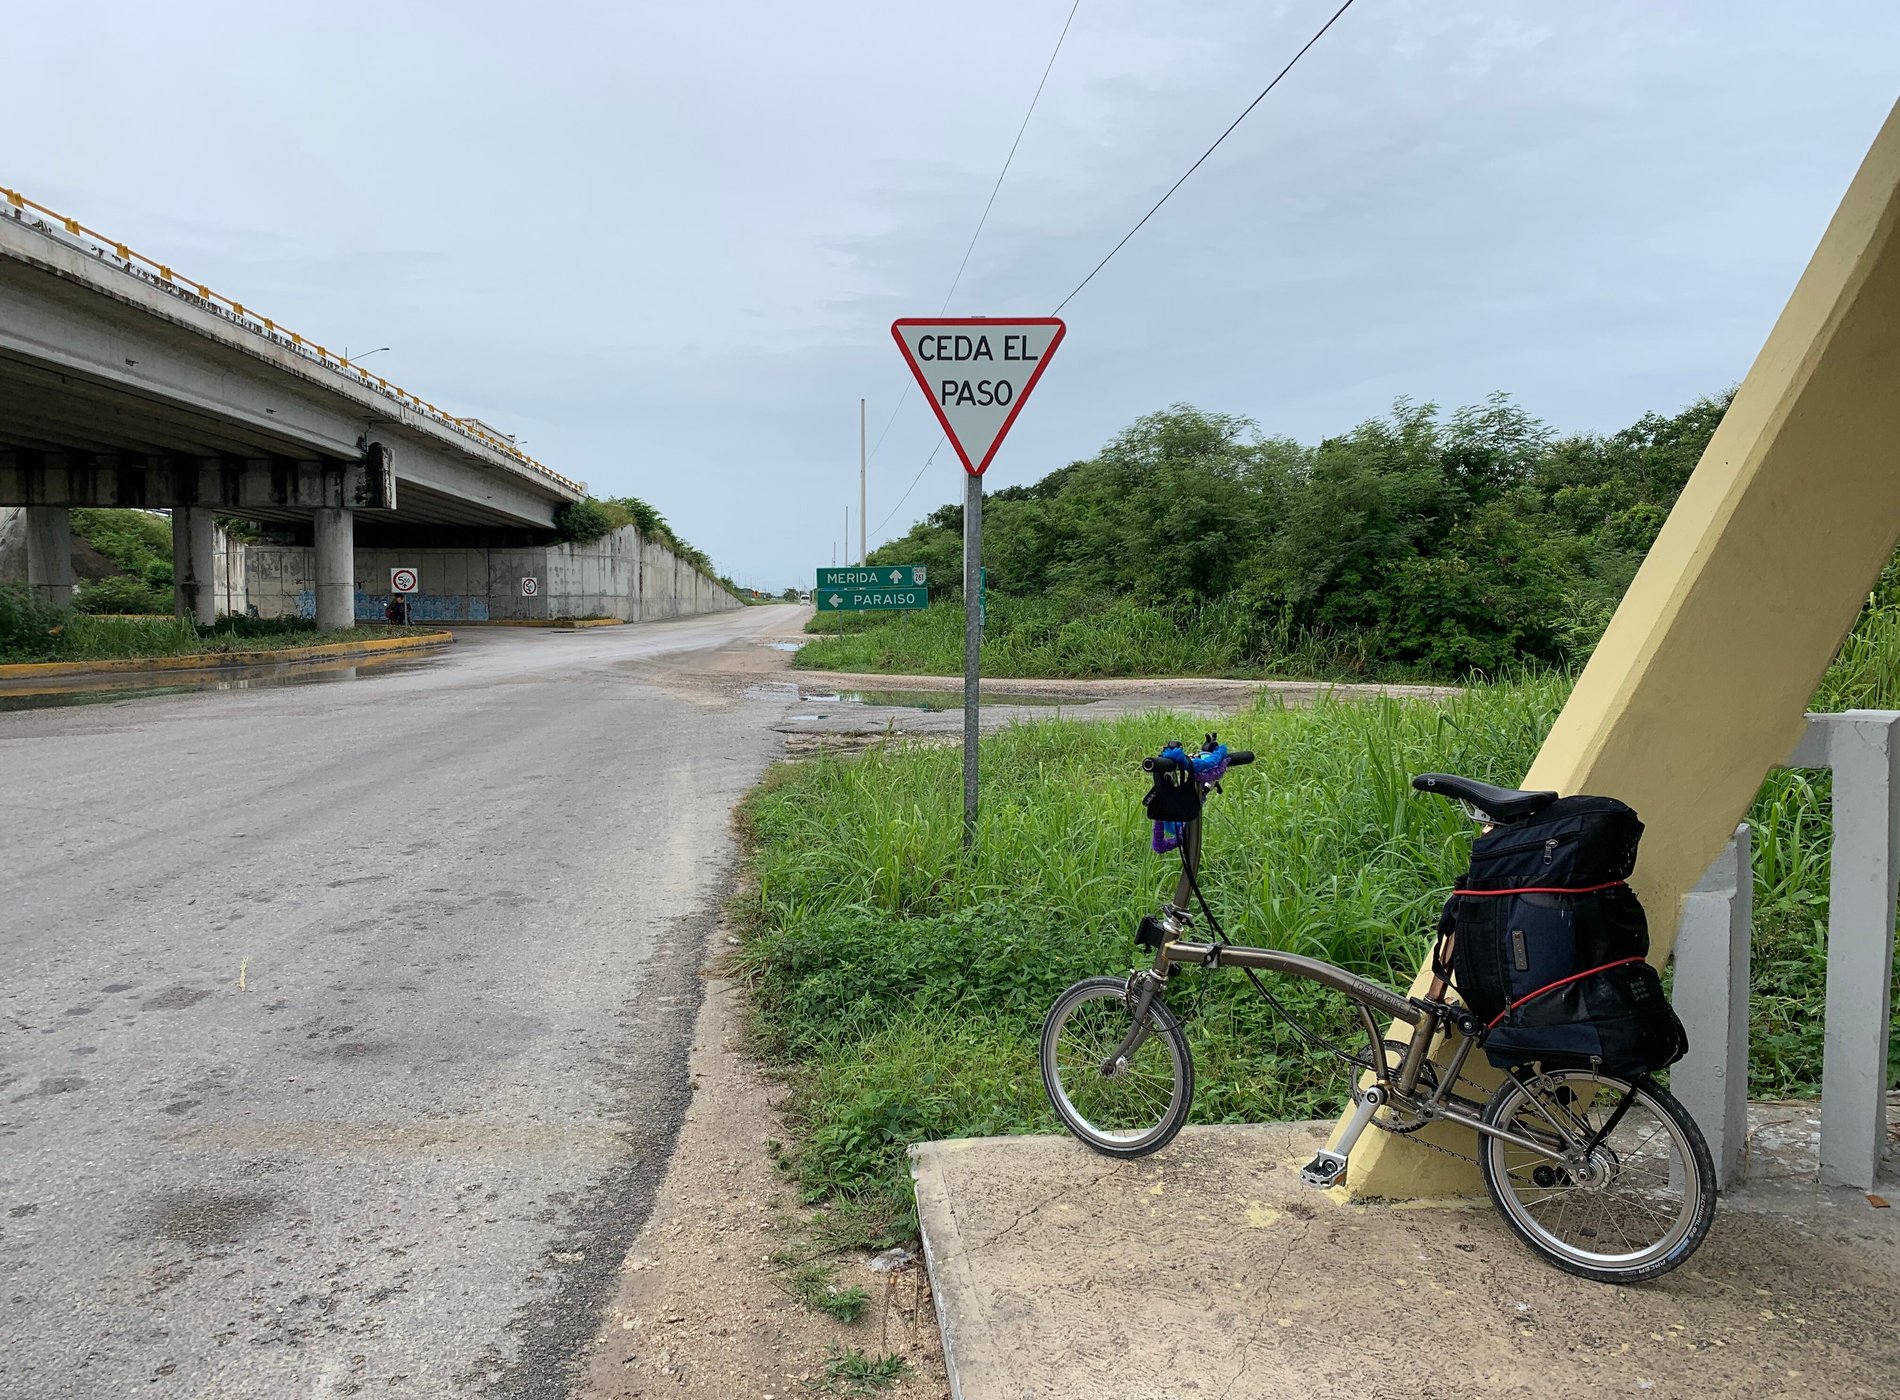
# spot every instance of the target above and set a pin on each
(1699, 685)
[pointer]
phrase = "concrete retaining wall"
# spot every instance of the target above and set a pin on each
(620, 576)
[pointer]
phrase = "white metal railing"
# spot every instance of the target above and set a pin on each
(1862, 748)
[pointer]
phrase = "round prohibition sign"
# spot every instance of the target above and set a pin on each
(530, 587)
(402, 580)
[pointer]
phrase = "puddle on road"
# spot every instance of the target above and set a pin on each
(105, 691)
(785, 646)
(930, 701)
(941, 699)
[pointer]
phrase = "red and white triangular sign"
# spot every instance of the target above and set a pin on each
(977, 374)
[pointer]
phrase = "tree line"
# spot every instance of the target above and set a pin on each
(1430, 543)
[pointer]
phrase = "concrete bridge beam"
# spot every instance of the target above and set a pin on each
(336, 568)
(195, 564)
(49, 553)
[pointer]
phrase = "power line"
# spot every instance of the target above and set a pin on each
(913, 485)
(957, 281)
(1318, 35)
(1011, 156)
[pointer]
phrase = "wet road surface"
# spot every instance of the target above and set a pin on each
(342, 1036)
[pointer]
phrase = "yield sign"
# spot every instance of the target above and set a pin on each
(977, 374)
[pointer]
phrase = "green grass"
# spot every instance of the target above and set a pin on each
(813, 1281)
(862, 1374)
(31, 632)
(901, 983)
(1055, 637)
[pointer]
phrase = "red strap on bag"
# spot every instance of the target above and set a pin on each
(1561, 982)
(1547, 889)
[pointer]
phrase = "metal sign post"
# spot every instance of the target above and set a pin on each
(972, 642)
(977, 374)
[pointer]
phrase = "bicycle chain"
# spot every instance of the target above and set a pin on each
(1418, 1136)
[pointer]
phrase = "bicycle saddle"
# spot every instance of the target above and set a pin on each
(1498, 803)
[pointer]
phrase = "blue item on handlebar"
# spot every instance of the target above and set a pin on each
(1181, 781)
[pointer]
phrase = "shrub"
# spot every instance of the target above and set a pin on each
(587, 520)
(29, 625)
(132, 539)
(123, 594)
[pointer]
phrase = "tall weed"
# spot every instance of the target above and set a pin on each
(907, 978)
(1050, 636)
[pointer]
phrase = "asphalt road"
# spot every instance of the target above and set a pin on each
(343, 1026)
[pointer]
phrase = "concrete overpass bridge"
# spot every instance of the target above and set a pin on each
(123, 383)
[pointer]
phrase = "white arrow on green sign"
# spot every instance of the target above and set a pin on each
(875, 576)
(871, 598)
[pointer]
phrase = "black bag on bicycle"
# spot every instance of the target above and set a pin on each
(1549, 944)
(1173, 796)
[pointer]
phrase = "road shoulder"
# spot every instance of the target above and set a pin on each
(699, 1310)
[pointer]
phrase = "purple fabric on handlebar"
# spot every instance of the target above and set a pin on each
(1209, 769)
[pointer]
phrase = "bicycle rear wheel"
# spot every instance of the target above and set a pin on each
(1618, 1206)
(1122, 1100)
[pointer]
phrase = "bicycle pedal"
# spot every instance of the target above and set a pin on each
(1326, 1169)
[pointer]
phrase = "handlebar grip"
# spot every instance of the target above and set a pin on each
(1239, 758)
(1162, 765)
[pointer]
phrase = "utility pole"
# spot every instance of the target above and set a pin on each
(863, 552)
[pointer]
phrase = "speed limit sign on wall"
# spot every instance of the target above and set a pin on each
(530, 587)
(403, 581)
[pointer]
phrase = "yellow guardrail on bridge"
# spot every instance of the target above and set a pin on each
(132, 261)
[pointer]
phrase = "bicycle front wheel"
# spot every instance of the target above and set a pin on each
(1617, 1201)
(1123, 1090)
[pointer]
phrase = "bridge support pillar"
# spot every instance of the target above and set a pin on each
(195, 564)
(49, 553)
(336, 568)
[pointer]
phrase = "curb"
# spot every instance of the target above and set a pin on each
(568, 624)
(218, 660)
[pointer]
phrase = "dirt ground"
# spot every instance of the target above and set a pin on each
(700, 1311)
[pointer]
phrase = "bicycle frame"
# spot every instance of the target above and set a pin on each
(1429, 1017)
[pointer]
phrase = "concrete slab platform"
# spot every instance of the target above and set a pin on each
(1210, 1270)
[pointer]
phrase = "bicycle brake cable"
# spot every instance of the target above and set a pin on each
(1310, 1036)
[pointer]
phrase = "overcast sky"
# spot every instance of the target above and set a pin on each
(663, 243)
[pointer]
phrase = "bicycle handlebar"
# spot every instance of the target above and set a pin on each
(1236, 758)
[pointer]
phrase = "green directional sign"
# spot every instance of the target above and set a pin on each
(874, 576)
(873, 588)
